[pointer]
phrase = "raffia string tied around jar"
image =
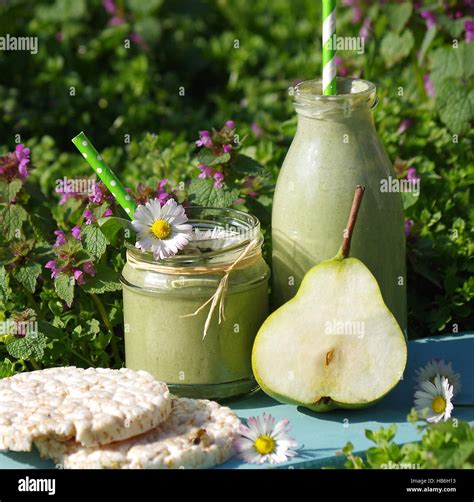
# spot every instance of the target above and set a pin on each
(217, 300)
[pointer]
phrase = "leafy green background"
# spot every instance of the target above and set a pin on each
(197, 64)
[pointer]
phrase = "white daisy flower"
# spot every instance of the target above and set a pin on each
(161, 229)
(264, 441)
(436, 398)
(439, 367)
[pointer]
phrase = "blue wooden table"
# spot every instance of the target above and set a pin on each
(320, 436)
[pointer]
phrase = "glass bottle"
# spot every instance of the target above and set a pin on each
(335, 148)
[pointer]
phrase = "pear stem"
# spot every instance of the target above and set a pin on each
(346, 243)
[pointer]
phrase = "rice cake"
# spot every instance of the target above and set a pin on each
(198, 434)
(93, 406)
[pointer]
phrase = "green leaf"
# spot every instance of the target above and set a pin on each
(454, 27)
(112, 225)
(42, 222)
(27, 275)
(6, 256)
(81, 257)
(394, 48)
(105, 280)
(243, 164)
(62, 11)
(220, 159)
(7, 368)
(446, 63)
(288, 127)
(149, 28)
(206, 157)
(49, 330)
(455, 103)
(262, 212)
(30, 346)
(399, 14)
(64, 286)
(409, 199)
(94, 240)
(141, 8)
(203, 193)
(11, 220)
(93, 326)
(452, 63)
(377, 456)
(425, 45)
(370, 435)
(8, 191)
(5, 290)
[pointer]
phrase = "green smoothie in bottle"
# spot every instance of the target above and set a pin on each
(335, 148)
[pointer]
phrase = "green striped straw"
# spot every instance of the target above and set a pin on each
(329, 51)
(104, 172)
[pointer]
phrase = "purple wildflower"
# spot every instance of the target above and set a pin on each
(429, 88)
(88, 216)
(469, 28)
(140, 41)
(356, 14)
(88, 268)
(341, 69)
(109, 6)
(52, 266)
(65, 196)
(364, 31)
(206, 171)
(218, 179)
(429, 17)
(23, 156)
(79, 276)
(411, 175)
(116, 21)
(97, 196)
(60, 238)
(230, 124)
(249, 186)
(257, 130)
(404, 125)
(204, 139)
(161, 193)
(76, 232)
(108, 212)
(227, 148)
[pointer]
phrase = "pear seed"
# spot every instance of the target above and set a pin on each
(329, 357)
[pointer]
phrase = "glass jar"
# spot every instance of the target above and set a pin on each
(161, 335)
(335, 148)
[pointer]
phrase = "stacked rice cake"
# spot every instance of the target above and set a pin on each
(104, 419)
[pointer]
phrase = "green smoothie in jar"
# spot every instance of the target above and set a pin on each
(335, 148)
(161, 335)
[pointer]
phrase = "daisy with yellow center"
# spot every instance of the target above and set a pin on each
(439, 367)
(262, 440)
(163, 230)
(435, 397)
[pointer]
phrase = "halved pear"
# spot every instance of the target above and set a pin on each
(335, 344)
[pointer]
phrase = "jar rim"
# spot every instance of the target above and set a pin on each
(245, 229)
